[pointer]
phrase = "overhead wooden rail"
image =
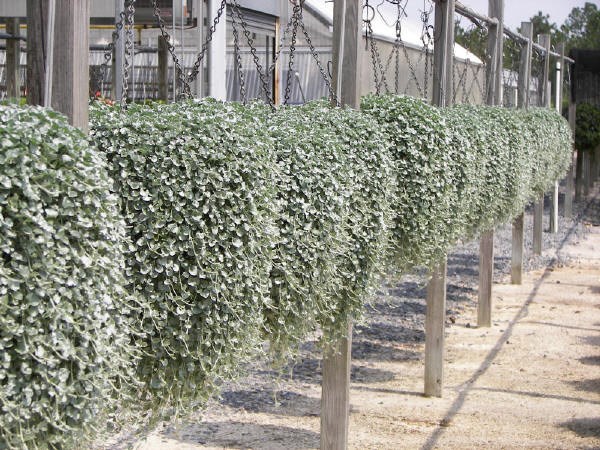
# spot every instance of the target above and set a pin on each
(478, 18)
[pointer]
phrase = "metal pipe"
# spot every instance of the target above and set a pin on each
(49, 63)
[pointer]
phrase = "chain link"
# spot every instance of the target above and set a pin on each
(108, 53)
(261, 74)
(315, 55)
(295, 24)
(179, 71)
(238, 57)
(128, 60)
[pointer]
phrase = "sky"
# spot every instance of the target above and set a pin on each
(515, 11)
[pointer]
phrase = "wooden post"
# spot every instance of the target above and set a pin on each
(516, 269)
(558, 105)
(494, 97)
(335, 395)
(163, 69)
(118, 55)
(37, 14)
(570, 174)
(13, 60)
(70, 84)
(217, 52)
(434, 331)
(486, 276)
(538, 217)
(443, 60)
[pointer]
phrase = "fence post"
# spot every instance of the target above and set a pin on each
(443, 60)
(163, 69)
(494, 97)
(70, 86)
(37, 12)
(560, 76)
(13, 60)
(335, 390)
(516, 269)
(571, 173)
(538, 207)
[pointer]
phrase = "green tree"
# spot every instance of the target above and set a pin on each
(474, 39)
(582, 27)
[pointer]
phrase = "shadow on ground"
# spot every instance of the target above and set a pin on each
(241, 435)
(586, 427)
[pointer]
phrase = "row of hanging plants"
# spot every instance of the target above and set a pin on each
(224, 226)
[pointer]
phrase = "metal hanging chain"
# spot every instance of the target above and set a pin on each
(127, 63)
(399, 43)
(110, 48)
(375, 56)
(295, 24)
(427, 38)
(261, 74)
(286, 31)
(209, 36)
(179, 72)
(315, 55)
(238, 57)
(462, 81)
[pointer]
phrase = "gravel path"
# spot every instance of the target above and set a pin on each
(393, 330)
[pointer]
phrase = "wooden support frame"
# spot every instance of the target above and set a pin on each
(335, 394)
(570, 192)
(37, 15)
(163, 69)
(538, 217)
(70, 84)
(443, 60)
(494, 97)
(560, 77)
(518, 229)
(13, 59)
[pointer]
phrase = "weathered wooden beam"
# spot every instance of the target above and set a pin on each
(13, 59)
(494, 97)
(70, 86)
(570, 192)
(435, 325)
(516, 266)
(335, 396)
(443, 61)
(163, 69)
(544, 96)
(37, 16)
(518, 229)
(560, 77)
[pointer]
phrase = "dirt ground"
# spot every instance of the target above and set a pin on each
(532, 380)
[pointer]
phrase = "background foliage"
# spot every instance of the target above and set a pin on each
(587, 134)
(197, 189)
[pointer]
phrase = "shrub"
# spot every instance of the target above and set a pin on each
(465, 169)
(64, 314)
(426, 169)
(197, 189)
(333, 197)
